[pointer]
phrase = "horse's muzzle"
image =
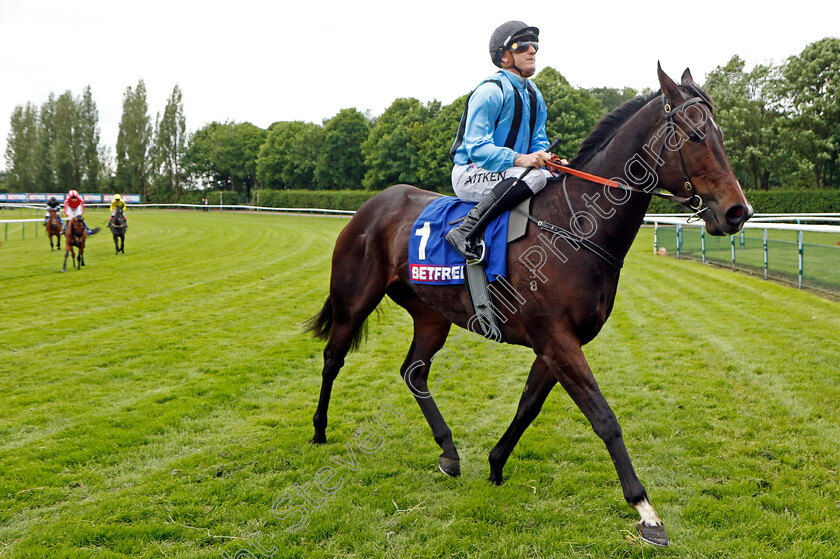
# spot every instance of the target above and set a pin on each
(736, 216)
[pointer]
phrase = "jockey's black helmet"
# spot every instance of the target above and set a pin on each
(504, 35)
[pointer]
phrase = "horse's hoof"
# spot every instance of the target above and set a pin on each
(496, 478)
(653, 534)
(319, 438)
(450, 466)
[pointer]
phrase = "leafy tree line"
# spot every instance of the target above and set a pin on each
(782, 123)
(781, 129)
(56, 146)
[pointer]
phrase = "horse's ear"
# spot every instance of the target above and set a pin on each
(686, 79)
(666, 84)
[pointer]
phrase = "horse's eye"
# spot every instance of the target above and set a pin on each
(695, 137)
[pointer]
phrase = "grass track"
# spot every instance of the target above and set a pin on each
(157, 403)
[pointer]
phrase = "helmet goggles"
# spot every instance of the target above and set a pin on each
(523, 45)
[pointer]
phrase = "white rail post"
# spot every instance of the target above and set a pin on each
(655, 237)
(733, 252)
(801, 257)
(766, 259)
(679, 240)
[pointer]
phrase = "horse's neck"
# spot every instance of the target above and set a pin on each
(619, 218)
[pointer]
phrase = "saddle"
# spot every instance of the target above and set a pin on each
(433, 261)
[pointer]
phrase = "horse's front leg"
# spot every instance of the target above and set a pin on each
(566, 360)
(66, 253)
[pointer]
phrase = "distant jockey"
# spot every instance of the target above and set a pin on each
(52, 205)
(117, 204)
(74, 206)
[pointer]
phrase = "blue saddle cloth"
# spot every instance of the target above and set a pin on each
(433, 261)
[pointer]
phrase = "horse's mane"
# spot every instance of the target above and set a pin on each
(608, 126)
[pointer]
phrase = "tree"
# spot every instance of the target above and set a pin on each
(133, 141)
(289, 156)
(341, 163)
(169, 147)
(224, 155)
(435, 167)
(572, 113)
(65, 144)
(753, 136)
(90, 166)
(22, 150)
(392, 151)
(611, 97)
(808, 91)
(46, 137)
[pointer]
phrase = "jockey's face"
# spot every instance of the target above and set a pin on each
(523, 62)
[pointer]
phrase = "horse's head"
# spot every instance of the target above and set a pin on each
(77, 226)
(695, 165)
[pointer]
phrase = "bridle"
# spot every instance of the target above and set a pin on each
(692, 200)
(670, 113)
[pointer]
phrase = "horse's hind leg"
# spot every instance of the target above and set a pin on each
(537, 387)
(429, 337)
(342, 319)
(430, 331)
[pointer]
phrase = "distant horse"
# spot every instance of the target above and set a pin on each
(75, 236)
(118, 227)
(53, 227)
(565, 281)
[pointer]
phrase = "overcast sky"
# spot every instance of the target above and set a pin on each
(261, 61)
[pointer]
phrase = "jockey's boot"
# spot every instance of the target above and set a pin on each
(90, 231)
(504, 196)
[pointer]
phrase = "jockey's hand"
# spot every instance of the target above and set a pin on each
(536, 159)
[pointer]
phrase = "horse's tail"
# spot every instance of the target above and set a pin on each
(321, 325)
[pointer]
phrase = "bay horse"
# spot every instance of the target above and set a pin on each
(118, 226)
(53, 228)
(564, 281)
(75, 236)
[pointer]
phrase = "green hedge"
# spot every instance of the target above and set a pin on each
(321, 199)
(227, 197)
(795, 201)
(771, 201)
(763, 201)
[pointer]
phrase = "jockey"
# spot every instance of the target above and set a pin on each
(117, 204)
(52, 204)
(501, 135)
(75, 206)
